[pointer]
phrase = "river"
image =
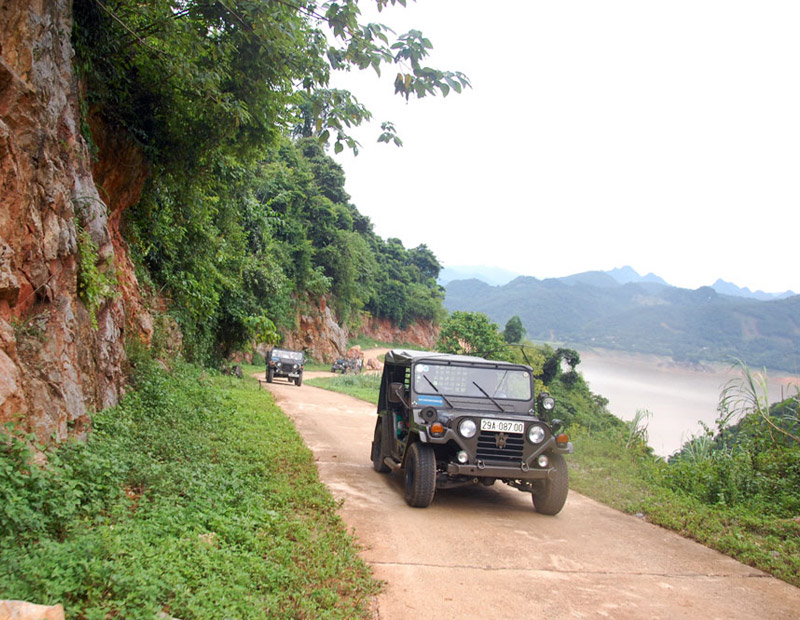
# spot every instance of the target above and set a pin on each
(678, 397)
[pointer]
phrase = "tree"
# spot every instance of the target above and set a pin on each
(194, 80)
(514, 330)
(469, 333)
(552, 366)
(425, 260)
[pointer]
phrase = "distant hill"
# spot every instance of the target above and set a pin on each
(497, 276)
(626, 274)
(491, 275)
(727, 288)
(647, 316)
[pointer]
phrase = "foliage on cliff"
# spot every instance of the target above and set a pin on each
(264, 242)
(237, 224)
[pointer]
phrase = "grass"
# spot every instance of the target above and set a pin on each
(194, 497)
(317, 366)
(615, 469)
(363, 386)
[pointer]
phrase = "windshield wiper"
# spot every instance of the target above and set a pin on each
(444, 398)
(486, 394)
(499, 383)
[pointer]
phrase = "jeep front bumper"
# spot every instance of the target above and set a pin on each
(524, 469)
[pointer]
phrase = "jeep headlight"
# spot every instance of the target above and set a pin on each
(467, 428)
(546, 402)
(543, 461)
(536, 433)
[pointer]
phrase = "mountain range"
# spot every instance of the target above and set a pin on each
(497, 276)
(620, 309)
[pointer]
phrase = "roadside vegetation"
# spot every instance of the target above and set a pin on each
(364, 386)
(735, 488)
(194, 497)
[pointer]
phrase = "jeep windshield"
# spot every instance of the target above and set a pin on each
(292, 355)
(472, 381)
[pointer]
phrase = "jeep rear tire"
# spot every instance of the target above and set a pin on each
(550, 495)
(420, 475)
(377, 454)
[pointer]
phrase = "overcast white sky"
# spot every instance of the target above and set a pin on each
(661, 135)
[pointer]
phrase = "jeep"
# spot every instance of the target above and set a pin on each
(285, 363)
(347, 365)
(449, 421)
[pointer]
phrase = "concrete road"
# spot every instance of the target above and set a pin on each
(484, 553)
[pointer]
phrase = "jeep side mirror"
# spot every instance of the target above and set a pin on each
(396, 390)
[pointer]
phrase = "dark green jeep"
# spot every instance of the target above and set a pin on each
(285, 363)
(454, 420)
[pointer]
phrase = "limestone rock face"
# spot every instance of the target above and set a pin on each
(422, 334)
(319, 335)
(56, 364)
(324, 339)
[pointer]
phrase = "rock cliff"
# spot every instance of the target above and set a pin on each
(59, 359)
(324, 339)
(422, 334)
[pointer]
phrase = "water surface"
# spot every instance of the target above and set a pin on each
(678, 397)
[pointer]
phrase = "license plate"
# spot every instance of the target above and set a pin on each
(502, 426)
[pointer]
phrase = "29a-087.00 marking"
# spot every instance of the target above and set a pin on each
(502, 426)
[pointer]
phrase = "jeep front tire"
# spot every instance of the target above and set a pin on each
(420, 475)
(550, 495)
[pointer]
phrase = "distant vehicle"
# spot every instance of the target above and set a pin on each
(347, 365)
(452, 420)
(285, 363)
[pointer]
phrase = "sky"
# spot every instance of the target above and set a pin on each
(597, 134)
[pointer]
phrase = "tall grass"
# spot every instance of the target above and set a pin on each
(637, 428)
(748, 395)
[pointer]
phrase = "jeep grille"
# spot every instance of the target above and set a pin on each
(488, 449)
